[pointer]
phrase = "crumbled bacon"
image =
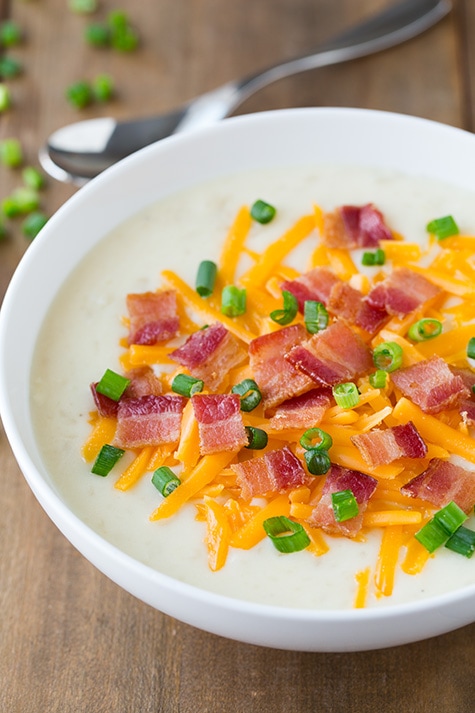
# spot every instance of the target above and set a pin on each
(277, 378)
(316, 284)
(275, 471)
(209, 354)
(153, 317)
(379, 447)
(443, 482)
(338, 478)
(148, 420)
(104, 405)
(301, 411)
(142, 382)
(402, 292)
(332, 356)
(431, 385)
(220, 422)
(353, 227)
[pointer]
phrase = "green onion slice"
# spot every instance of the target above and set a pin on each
(315, 316)
(288, 314)
(233, 301)
(187, 385)
(346, 395)
(443, 227)
(432, 535)
(425, 329)
(206, 278)
(462, 542)
(250, 394)
(112, 385)
(286, 535)
(317, 460)
(106, 460)
(471, 348)
(323, 439)
(450, 517)
(262, 212)
(378, 379)
(388, 356)
(376, 258)
(344, 505)
(257, 438)
(165, 480)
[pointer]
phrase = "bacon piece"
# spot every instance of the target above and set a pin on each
(209, 354)
(277, 378)
(402, 292)
(443, 482)
(350, 305)
(338, 478)
(148, 420)
(332, 356)
(220, 423)
(379, 447)
(316, 284)
(431, 385)
(153, 317)
(142, 382)
(276, 471)
(104, 405)
(351, 227)
(301, 411)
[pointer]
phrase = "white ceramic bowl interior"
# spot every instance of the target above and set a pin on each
(274, 139)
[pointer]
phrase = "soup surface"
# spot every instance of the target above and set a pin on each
(80, 339)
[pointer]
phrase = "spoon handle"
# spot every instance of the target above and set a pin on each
(390, 27)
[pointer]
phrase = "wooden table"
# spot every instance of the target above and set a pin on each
(70, 640)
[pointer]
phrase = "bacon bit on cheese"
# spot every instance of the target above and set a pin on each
(392, 450)
(153, 317)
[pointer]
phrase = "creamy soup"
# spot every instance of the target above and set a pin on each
(80, 339)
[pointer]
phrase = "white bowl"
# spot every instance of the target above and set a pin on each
(290, 137)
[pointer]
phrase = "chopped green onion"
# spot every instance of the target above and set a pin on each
(33, 223)
(315, 316)
(32, 178)
(11, 153)
(112, 385)
(9, 67)
(124, 37)
(233, 301)
(206, 278)
(378, 379)
(97, 34)
(165, 480)
(106, 460)
(257, 438)
(388, 356)
(324, 440)
(103, 87)
(187, 385)
(5, 98)
(471, 348)
(462, 542)
(288, 314)
(250, 394)
(262, 212)
(450, 517)
(286, 535)
(424, 329)
(443, 227)
(79, 94)
(344, 505)
(10, 33)
(346, 395)
(83, 6)
(23, 200)
(376, 258)
(317, 461)
(432, 535)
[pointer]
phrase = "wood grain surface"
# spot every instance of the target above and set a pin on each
(71, 640)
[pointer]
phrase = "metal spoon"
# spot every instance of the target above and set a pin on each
(82, 150)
